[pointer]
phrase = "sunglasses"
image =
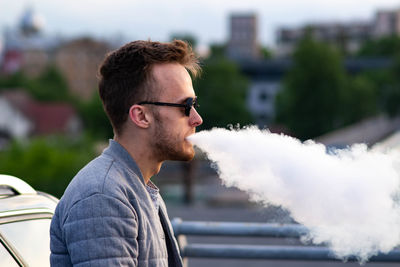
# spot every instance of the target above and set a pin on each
(190, 102)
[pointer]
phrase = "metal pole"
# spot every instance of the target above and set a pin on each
(188, 170)
(238, 229)
(306, 253)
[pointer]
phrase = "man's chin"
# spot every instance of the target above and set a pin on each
(190, 157)
(186, 155)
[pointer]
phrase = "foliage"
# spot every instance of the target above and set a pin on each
(217, 52)
(95, 119)
(387, 82)
(222, 94)
(187, 37)
(318, 96)
(386, 46)
(17, 80)
(266, 53)
(390, 93)
(46, 164)
(48, 86)
(361, 99)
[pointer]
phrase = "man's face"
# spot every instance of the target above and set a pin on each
(171, 125)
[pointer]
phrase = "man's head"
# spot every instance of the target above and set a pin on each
(145, 86)
(126, 75)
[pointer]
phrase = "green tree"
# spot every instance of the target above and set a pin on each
(16, 80)
(217, 52)
(390, 91)
(46, 164)
(266, 53)
(387, 81)
(222, 94)
(50, 85)
(386, 46)
(187, 37)
(95, 119)
(313, 93)
(361, 99)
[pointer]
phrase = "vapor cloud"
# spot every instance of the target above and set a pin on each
(347, 198)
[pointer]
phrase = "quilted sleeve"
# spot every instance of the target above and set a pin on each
(101, 231)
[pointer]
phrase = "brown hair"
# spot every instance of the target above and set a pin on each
(125, 74)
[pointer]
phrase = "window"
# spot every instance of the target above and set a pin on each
(263, 96)
(31, 238)
(5, 258)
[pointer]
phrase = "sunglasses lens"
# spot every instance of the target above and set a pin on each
(188, 106)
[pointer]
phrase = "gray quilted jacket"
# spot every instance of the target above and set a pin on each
(106, 218)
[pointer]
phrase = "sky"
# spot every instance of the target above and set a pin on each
(207, 20)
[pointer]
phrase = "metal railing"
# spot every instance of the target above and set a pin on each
(267, 252)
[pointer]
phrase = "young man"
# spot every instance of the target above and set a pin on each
(111, 213)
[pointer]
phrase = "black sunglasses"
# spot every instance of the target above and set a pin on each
(190, 102)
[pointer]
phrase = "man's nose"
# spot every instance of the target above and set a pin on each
(195, 118)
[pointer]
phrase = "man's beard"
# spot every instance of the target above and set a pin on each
(168, 146)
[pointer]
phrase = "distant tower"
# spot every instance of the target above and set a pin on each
(386, 22)
(26, 48)
(31, 23)
(243, 41)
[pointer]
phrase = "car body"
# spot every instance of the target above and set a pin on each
(25, 216)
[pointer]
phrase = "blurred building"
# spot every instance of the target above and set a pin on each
(243, 40)
(26, 48)
(386, 23)
(22, 117)
(266, 81)
(29, 50)
(347, 36)
(266, 74)
(78, 61)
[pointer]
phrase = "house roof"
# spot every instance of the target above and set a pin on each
(48, 118)
(51, 118)
(369, 131)
(389, 143)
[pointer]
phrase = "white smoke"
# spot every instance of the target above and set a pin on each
(347, 198)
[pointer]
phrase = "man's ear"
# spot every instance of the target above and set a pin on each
(139, 116)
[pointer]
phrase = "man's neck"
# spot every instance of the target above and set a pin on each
(142, 156)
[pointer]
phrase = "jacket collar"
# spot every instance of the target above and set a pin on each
(119, 153)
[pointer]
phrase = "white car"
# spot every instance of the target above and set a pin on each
(25, 216)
